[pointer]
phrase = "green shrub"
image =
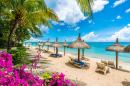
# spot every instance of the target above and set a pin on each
(19, 45)
(18, 54)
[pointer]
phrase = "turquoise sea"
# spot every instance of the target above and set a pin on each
(97, 51)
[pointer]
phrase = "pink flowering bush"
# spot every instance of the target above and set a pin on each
(18, 77)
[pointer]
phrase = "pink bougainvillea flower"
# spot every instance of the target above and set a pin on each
(53, 82)
(59, 82)
(54, 76)
(73, 85)
(62, 75)
(67, 82)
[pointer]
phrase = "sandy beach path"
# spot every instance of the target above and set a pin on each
(88, 76)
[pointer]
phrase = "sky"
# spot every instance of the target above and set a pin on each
(111, 19)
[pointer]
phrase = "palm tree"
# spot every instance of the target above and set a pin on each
(86, 7)
(27, 13)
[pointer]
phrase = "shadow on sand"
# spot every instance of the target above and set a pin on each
(126, 83)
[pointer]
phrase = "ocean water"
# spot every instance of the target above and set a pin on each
(97, 51)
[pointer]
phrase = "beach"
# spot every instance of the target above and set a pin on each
(87, 76)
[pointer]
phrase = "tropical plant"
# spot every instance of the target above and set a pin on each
(27, 13)
(86, 7)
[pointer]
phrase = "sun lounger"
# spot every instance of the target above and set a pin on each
(81, 64)
(71, 60)
(56, 55)
(84, 58)
(111, 64)
(104, 61)
(45, 51)
(103, 68)
(86, 64)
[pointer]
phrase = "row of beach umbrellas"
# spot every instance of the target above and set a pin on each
(80, 44)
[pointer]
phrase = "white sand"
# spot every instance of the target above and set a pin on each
(89, 76)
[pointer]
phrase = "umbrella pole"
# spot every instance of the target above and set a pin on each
(56, 51)
(48, 47)
(64, 50)
(78, 55)
(42, 47)
(82, 52)
(117, 60)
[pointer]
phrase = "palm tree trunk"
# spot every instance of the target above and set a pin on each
(16, 38)
(12, 32)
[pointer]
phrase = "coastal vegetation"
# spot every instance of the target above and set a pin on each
(19, 21)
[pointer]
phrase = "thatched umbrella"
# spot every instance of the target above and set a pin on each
(56, 44)
(39, 44)
(65, 45)
(127, 49)
(117, 48)
(42, 44)
(79, 44)
(48, 43)
(29, 43)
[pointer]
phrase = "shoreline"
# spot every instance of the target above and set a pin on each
(124, 65)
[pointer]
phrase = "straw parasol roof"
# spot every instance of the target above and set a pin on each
(28, 43)
(65, 44)
(116, 47)
(38, 43)
(127, 49)
(56, 44)
(48, 43)
(79, 44)
(42, 43)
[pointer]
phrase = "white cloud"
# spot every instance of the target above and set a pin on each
(128, 10)
(89, 36)
(69, 11)
(33, 40)
(44, 29)
(118, 17)
(118, 2)
(76, 28)
(99, 5)
(58, 30)
(123, 35)
(62, 24)
(112, 20)
(90, 21)
(129, 25)
(56, 23)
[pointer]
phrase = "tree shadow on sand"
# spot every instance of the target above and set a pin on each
(126, 83)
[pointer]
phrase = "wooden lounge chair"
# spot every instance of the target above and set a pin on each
(86, 64)
(78, 65)
(111, 64)
(71, 60)
(102, 67)
(83, 58)
(56, 55)
(104, 61)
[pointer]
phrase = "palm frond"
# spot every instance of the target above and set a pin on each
(86, 7)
